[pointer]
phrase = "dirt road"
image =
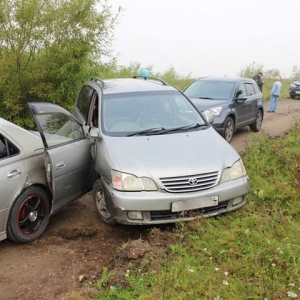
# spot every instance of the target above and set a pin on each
(77, 245)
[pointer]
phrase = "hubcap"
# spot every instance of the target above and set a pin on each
(259, 121)
(102, 205)
(33, 216)
(229, 131)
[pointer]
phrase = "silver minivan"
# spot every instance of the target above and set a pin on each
(155, 158)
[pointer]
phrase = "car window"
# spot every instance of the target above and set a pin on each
(58, 128)
(206, 89)
(250, 89)
(7, 148)
(125, 113)
(84, 99)
(256, 89)
(241, 92)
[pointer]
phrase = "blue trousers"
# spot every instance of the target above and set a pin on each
(273, 102)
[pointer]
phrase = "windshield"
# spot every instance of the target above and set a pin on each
(127, 113)
(206, 89)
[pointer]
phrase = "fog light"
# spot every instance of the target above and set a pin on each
(237, 200)
(135, 215)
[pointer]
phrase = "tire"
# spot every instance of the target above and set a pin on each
(228, 129)
(103, 207)
(258, 122)
(29, 216)
(292, 96)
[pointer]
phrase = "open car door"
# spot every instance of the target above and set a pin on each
(68, 160)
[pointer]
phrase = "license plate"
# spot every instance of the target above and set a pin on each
(194, 204)
(297, 92)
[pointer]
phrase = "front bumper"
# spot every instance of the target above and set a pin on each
(161, 207)
(295, 92)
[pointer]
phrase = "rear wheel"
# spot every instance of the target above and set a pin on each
(29, 216)
(258, 122)
(228, 129)
(103, 207)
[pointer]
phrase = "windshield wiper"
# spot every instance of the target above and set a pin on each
(181, 128)
(205, 98)
(162, 130)
(147, 131)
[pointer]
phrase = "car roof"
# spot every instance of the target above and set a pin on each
(224, 79)
(127, 85)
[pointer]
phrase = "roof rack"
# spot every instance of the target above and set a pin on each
(98, 80)
(151, 78)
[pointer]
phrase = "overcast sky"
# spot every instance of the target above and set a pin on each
(215, 37)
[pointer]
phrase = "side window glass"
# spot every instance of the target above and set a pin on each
(93, 119)
(59, 129)
(241, 92)
(84, 99)
(3, 149)
(7, 148)
(256, 89)
(250, 89)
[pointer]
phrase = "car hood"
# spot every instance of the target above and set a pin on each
(203, 104)
(172, 155)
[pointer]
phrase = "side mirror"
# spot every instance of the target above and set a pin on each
(241, 99)
(209, 118)
(94, 132)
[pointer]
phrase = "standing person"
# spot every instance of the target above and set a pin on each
(275, 92)
(257, 79)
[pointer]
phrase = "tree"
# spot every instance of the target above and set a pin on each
(48, 48)
(251, 70)
(295, 73)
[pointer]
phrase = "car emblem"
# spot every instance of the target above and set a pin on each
(193, 181)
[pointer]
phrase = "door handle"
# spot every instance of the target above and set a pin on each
(60, 165)
(14, 173)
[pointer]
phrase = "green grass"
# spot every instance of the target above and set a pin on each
(252, 253)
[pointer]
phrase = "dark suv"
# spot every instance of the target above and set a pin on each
(295, 89)
(234, 103)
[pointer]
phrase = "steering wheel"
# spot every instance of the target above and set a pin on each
(118, 120)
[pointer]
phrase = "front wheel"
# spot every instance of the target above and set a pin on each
(102, 206)
(292, 96)
(228, 129)
(29, 216)
(258, 122)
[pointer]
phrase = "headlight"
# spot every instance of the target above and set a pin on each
(293, 85)
(236, 171)
(216, 111)
(127, 182)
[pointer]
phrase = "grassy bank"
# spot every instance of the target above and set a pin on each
(249, 254)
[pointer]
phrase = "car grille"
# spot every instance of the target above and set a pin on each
(190, 183)
(168, 215)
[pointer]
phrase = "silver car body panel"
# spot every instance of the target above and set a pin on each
(19, 171)
(70, 167)
(166, 156)
(169, 155)
(71, 175)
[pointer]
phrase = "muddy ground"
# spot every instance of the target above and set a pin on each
(77, 245)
